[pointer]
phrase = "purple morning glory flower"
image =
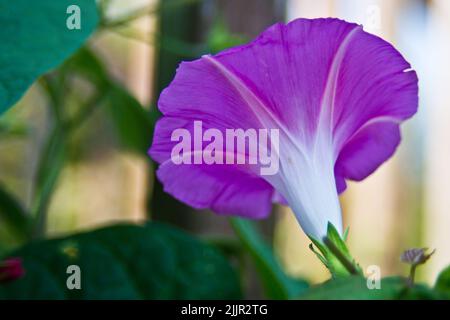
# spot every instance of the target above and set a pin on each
(336, 94)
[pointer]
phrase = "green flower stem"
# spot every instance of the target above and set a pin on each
(412, 275)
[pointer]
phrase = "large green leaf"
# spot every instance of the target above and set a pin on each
(154, 261)
(276, 283)
(34, 39)
(355, 288)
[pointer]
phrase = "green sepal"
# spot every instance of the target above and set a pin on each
(334, 254)
(345, 235)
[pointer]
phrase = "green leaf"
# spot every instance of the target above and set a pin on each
(86, 63)
(133, 123)
(355, 288)
(276, 283)
(443, 281)
(153, 261)
(35, 39)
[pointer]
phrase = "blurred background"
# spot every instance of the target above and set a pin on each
(95, 171)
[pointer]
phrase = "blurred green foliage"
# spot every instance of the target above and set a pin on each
(220, 38)
(133, 123)
(153, 261)
(355, 288)
(276, 283)
(35, 39)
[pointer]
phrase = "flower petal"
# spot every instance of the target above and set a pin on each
(377, 139)
(374, 84)
(224, 189)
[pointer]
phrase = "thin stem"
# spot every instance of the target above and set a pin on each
(50, 167)
(52, 157)
(412, 275)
